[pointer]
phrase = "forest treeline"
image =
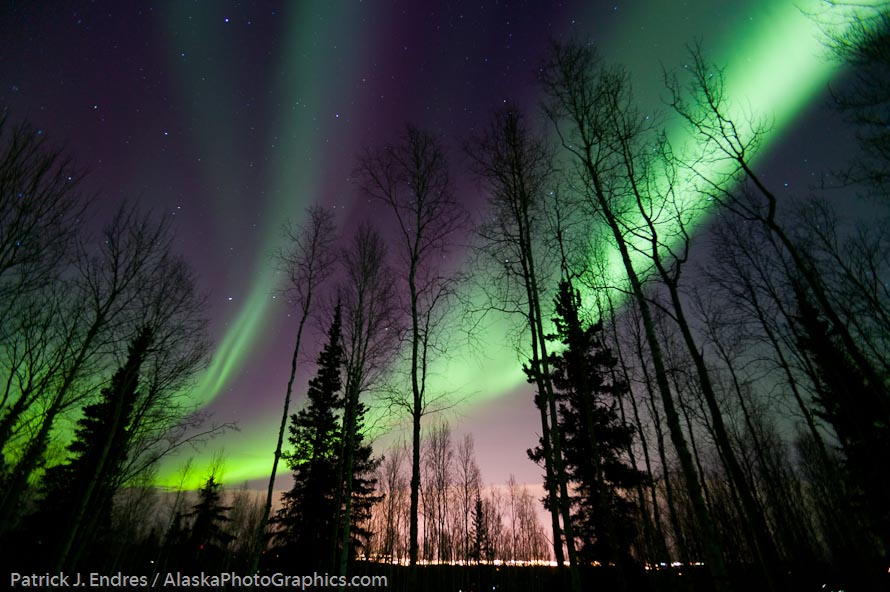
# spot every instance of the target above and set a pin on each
(708, 355)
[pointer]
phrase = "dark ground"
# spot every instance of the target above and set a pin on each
(486, 578)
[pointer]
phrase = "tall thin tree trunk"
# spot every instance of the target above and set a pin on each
(811, 276)
(413, 547)
(416, 408)
(764, 545)
(270, 489)
(555, 477)
(693, 443)
(711, 544)
(648, 534)
(349, 426)
(679, 536)
(789, 375)
(546, 448)
(556, 450)
(658, 549)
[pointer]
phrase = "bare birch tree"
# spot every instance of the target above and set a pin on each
(517, 169)
(411, 178)
(107, 294)
(586, 101)
(469, 481)
(306, 261)
(370, 334)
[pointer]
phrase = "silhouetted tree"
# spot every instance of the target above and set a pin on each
(35, 336)
(595, 437)
(591, 106)
(308, 261)
(40, 206)
(703, 104)
(305, 525)
(78, 493)
(391, 540)
(468, 481)
(438, 465)
(363, 494)
(481, 549)
(412, 179)
(209, 538)
(131, 280)
(855, 410)
(653, 547)
(370, 332)
(858, 34)
(517, 168)
(665, 215)
(738, 188)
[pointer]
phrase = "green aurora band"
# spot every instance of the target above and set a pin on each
(774, 69)
(304, 89)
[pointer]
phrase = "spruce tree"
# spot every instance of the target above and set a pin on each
(594, 435)
(481, 550)
(364, 486)
(208, 539)
(305, 525)
(78, 494)
(858, 411)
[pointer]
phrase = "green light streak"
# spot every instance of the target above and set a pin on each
(198, 54)
(774, 69)
(772, 73)
(788, 66)
(246, 454)
(304, 91)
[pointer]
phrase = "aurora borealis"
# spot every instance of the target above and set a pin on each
(235, 116)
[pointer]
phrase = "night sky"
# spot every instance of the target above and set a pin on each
(235, 116)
